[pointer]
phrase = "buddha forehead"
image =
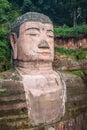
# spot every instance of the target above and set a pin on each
(36, 25)
(32, 17)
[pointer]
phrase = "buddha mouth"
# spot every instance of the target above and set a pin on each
(45, 53)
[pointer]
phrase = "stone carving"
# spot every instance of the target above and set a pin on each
(32, 41)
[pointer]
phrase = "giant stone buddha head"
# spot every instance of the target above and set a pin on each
(32, 38)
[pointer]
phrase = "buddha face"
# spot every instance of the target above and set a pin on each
(35, 42)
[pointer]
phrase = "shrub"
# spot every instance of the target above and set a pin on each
(66, 31)
(77, 54)
(80, 55)
(5, 54)
(65, 51)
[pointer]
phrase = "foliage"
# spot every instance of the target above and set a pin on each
(80, 54)
(69, 12)
(67, 31)
(77, 54)
(8, 13)
(65, 51)
(17, 2)
(76, 72)
(5, 54)
(4, 10)
(2, 90)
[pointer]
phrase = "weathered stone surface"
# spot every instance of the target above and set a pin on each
(13, 111)
(71, 42)
(77, 123)
(45, 99)
(32, 42)
(16, 118)
(62, 62)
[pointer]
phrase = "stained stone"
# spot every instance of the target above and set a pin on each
(32, 42)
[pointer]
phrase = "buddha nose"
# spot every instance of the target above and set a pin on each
(43, 44)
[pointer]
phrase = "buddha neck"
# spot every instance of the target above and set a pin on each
(26, 68)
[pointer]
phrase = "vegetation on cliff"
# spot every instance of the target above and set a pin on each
(8, 12)
(66, 31)
(77, 54)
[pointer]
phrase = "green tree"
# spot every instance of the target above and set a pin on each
(18, 2)
(77, 11)
(83, 5)
(28, 6)
(4, 10)
(7, 15)
(69, 12)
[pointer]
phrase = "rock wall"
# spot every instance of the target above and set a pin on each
(13, 110)
(63, 62)
(76, 105)
(78, 123)
(71, 42)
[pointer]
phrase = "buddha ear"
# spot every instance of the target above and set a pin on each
(13, 41)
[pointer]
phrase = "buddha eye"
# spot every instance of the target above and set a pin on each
(32, 34)
(32, 31)
(50, 36)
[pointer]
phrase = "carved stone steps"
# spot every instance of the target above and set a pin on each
(13, 117)
(11, 97)
(16, 124)
(2, 102)
(13, 111)
(13, 107)
(76, 98)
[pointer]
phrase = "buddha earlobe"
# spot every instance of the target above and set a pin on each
(13, 41)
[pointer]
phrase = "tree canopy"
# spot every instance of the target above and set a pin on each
(7, 14)
(69, 12)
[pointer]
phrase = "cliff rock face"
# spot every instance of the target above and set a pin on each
(76, 104)
(63, 62)
(13, 110)
(78, 123)
(71, 42)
